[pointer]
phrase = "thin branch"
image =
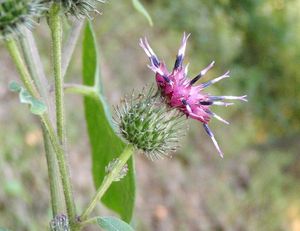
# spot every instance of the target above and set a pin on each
(59, 151)
(107, 181)
(33, 59)
(80, 89)
(70, 45)
(53, 174)
(56, 35)
(22, 68)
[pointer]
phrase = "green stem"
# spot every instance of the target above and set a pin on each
(21, 66)
(59, 151)
(33, 59)
(29, 61)
(109, 178)
(70, 45)
(63, 168)
(92, 220)
(56, 34)
(80, 89)
(53, 175)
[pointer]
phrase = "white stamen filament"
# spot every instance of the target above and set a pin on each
(149, 48)
(220, 118)
(228, 97)
(211, 135)
(186, 69)
(219, 103)
(182, 48)
(144, 48)
(208, 83)
(206, 69)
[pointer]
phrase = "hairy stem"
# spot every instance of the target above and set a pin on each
(35, 67)
(63, 168)
(56, 200)
(59, 151)
(89, 221)
(21, 66)
(29, 61)
(56, 35)
(109, 178)
(80, 89)
(70, 45)
(53, 173)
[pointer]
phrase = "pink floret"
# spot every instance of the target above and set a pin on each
(179, 91)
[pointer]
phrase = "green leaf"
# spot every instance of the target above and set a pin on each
(105, 144)
(113, 224)
(140, 8)
(37, 107)
(3, 229)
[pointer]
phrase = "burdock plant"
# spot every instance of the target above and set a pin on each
(145, 122)
(180, 92)
(151, 121)
(15, 15)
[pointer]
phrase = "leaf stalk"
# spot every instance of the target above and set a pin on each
(108, 180)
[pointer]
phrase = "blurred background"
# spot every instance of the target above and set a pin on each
(256, 185)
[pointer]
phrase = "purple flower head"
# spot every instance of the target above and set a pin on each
(181, 93)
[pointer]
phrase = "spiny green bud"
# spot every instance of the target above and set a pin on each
(112, 165)
(79, 8)
(15, 15)
(146, 122)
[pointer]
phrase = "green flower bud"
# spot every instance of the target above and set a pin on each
(112, 164)
(79, 8)
(15, 15)
(149, 125)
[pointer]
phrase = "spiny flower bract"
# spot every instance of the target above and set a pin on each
(145, 122)
(15, 15)
(79, 8)
(179, 91)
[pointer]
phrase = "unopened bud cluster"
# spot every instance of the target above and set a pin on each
(15, 15)
(112, 165)
(146, 122)
(60, 223)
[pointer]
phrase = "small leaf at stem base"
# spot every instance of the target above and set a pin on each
(37, 107)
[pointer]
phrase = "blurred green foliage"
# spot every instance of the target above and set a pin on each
(258, 40)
